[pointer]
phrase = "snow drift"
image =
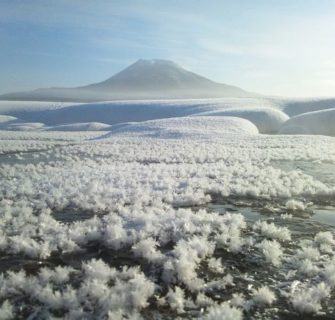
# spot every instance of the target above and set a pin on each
(7, 121)
(4, 119)
(14, 124)
(85, 126)
(186, 127)
(320, 122)
(267, 120)
(24, 126)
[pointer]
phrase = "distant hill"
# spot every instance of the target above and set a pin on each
(145, 79)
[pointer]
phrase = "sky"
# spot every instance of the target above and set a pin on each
(282, 47)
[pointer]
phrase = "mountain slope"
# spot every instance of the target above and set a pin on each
(145, 79)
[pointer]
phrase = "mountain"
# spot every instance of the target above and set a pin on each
(145, 79)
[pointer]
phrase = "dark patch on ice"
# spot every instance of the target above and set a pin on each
(69, 215)
(17, 263)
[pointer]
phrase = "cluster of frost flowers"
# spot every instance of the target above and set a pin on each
(120, 226)
(308, 300)
(99, 290)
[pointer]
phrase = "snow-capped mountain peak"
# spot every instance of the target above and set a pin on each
(144, 79)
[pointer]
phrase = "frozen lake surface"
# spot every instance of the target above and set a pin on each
(133, 226)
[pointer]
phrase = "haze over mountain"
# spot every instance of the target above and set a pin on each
(145, 79)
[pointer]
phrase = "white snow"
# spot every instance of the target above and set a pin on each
(268, 114)
(56, 113)
(317, 122)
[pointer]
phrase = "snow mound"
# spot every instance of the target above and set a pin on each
(24, 126)
(186, 127)
(318, 122)
(267, 120)
(5, 119)
(84, 126)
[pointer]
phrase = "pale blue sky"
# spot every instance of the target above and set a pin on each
(282, 47)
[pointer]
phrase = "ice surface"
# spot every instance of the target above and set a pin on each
(299, 106)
